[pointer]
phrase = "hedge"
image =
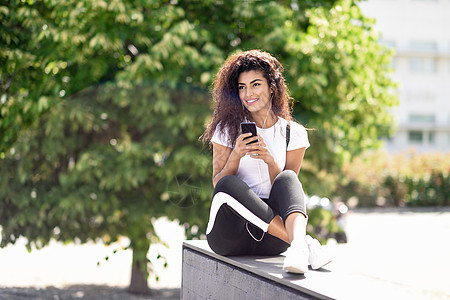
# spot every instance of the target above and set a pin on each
(407, 179)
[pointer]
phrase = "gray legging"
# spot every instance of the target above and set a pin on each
(239, 219)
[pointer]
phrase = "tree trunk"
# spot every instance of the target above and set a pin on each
(139, 271)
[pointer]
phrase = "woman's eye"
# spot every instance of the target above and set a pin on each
(241, 87)
(256, 84)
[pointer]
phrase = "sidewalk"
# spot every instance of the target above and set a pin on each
(71, 271)
(404, 250)
(401, 250)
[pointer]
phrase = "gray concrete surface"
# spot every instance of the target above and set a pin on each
(403, 250)
(207, 275)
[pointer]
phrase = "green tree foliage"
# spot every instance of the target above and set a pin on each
(116, 142)
(102, 104)
(103, 166)
(343, 88)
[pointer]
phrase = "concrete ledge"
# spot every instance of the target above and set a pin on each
(206, 275)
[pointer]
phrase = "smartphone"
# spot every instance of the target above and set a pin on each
(249, 127)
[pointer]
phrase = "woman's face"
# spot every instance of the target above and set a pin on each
(254, 91)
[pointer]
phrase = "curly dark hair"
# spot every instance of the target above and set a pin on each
(228, 109)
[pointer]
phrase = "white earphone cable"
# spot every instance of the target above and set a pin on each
(257, 161)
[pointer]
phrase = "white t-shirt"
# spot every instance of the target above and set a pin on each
(254, 171)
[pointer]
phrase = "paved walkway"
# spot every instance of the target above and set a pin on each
(71, 271)
(402, 250)
(407, 249)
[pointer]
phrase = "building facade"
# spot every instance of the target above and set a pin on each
(419, 32)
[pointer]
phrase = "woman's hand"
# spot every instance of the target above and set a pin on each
(259, 150)
(241, 148)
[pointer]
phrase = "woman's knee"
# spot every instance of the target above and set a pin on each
(226, 182)
(287, 192)
(232, 185)
(287, 176)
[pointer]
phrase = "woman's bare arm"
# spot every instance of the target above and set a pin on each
(294, 159)
(224, 162)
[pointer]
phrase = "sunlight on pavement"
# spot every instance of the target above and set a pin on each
(61, 265)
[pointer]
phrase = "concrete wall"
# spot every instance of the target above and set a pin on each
(205, 277)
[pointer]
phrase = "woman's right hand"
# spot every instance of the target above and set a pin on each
(240, 148)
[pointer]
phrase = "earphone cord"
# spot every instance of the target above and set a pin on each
(257, 162)
(270, 107)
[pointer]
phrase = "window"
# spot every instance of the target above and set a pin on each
(415, 136)
(431, 136)
(423, 46)
(422, 118)
(422, 65)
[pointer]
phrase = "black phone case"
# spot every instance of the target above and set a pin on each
(249, 127)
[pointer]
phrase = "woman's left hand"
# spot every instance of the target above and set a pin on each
(259, 150)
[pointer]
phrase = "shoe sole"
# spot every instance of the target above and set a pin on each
(318, 266)
(294, 270)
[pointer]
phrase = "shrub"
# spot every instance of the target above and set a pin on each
(323, 225)
(409, 179)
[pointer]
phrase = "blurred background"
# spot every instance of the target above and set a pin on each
(102, 174)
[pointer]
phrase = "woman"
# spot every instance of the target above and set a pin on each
(258, 205)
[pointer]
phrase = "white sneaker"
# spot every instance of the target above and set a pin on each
(318, 255)
(296, 260)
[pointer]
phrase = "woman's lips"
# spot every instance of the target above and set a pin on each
(251, 101)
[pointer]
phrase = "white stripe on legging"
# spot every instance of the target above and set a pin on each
(221, 198)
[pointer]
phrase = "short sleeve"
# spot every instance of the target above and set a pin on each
(298, 137)
(220, 137)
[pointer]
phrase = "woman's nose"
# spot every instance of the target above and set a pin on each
(249, 92)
